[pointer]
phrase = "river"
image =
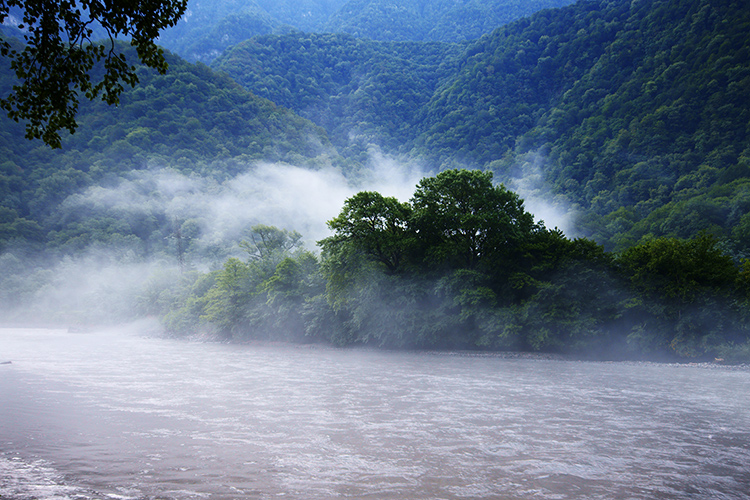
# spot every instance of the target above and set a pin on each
(120, 415)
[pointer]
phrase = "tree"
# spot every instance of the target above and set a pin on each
(59, 57)
(269, 245)
(464, 219)
(679, 269)
(376, 226)
(226, 302)
(687, 289)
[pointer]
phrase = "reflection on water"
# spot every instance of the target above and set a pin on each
(117, 415)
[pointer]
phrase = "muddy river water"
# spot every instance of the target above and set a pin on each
(122, 415)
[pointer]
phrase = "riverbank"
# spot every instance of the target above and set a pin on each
(538, 356)
(151, 327)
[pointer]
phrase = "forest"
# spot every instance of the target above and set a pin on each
(632, 114)
(463, 265)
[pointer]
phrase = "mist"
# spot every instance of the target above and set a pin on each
(280, 195)
(104, 281)
(528, 181)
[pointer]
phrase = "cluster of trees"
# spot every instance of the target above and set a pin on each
(361, 92)
(658, 142)
(462, 265)
(211, 26)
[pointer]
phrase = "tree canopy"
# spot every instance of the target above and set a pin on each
(59, 57)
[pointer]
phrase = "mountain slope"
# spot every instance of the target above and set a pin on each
(210, 27)
(361, 91)
(191, 119)
(637, 111)
(646, 126)
(434, 20)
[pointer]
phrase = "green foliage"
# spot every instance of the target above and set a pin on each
(374, 226)
(464, 220)
(636, 109)
(406, 275)
(435, 20)
(361, 92)
(210, 27)
(687, 288)
(677, 269)
(466, 253)
(54, 66)
(192, 119)
(270, 244)
(262, 297)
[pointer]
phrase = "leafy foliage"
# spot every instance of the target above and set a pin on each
(360, 91)
(210, 27)
(635, 109)
(435, 20)
(54, 65)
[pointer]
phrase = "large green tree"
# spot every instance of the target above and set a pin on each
(463, 219)
(59, 59)
(376, 226)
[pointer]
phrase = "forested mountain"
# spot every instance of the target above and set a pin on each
(647, 125)
(209, 27)
(635, 112)
(635, 108)
(362, 92)
(192, 119)
(431, 20)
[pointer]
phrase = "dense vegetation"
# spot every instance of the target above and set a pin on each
(431, 20)
(636, 109)
(361, 92)
(210, 27)
(464, 266)
(59, 63)
(192, 119)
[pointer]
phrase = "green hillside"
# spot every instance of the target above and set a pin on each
(191, 119)
(633, 112)
(360, 91)
(635, 109)
(431, 20)
(209, 28)
(646, 122)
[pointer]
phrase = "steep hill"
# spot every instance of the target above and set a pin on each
(208, 28)
(192, 119)
(431, 20)
(361, 91)
(635, 110)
